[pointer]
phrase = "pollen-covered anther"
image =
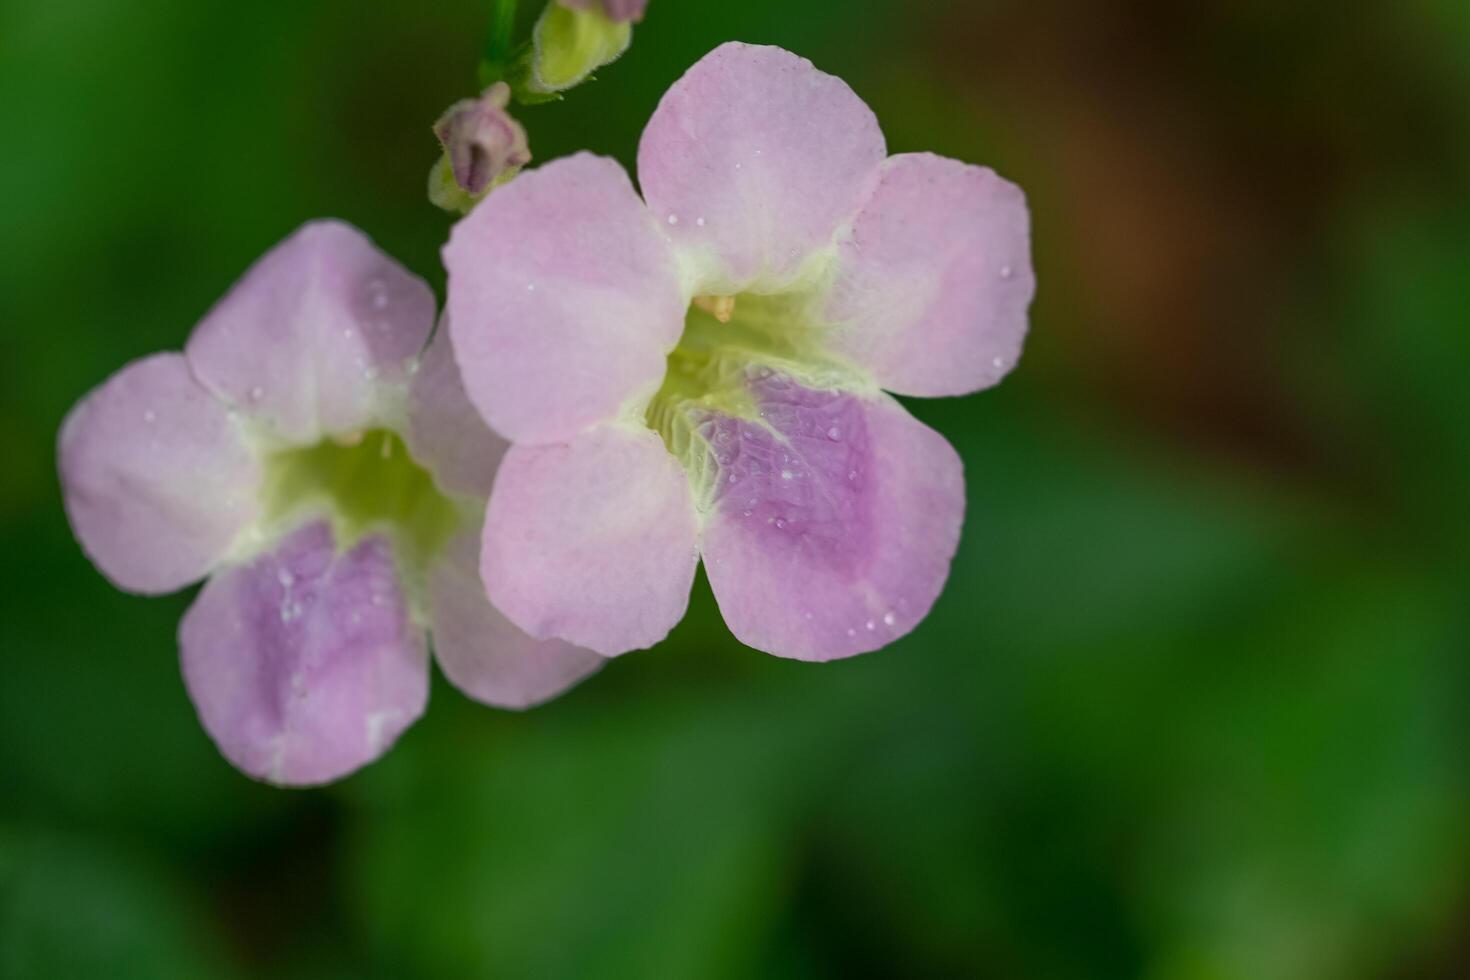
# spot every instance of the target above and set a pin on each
(722, 308)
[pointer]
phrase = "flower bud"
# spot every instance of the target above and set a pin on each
(483, 146)
(619, 11)
(574, 38)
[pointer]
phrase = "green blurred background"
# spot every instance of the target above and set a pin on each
(1193, 705)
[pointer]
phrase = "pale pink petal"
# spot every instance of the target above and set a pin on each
(935, 278)
(592, 542)
(314, 333)
(484, 654)
(304, 665)
(834, 523)
(563, 300)
(445, 433)
(753, 160)
(156, 479)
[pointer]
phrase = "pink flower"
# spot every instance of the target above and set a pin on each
(328, 474)
(704, 374)
(618, 11)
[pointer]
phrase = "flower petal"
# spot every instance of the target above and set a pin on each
(834, 521)
(314, 333)
(563, 300)
(753, 160)
(935, 278)
(304, 665)
(592, 542)
(156, 479)
(445, 433)
(484, 654)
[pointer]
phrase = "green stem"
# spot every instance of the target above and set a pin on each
(502, 30)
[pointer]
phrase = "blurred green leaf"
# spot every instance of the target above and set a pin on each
(73, 908)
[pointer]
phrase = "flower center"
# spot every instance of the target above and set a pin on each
(364, 483)
(728, 343)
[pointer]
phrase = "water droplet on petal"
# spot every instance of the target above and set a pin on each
(780, 524)
(1005, 272)
(999, 362)
(378, 293)
(785, 474)
(257, 393)
(834, 433)
(148, 416)
(673, 219)
(852, 632)
(870, 625)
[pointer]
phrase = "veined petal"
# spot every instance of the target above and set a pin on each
(484, 654)
(592, 542)
(563, 300)
(156, 479)
(935, 279)
(445, 433)
(304, 665)
(315, 332)
(753, 160)
(834, 521)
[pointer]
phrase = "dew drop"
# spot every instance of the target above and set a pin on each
(378, 294)
(699, 221)
(889, 619)
(747, 513)
(999, 362)
(1005, 272)
(673, 219)
(148, 416)
(786, 474)
(780, 523)
(257, 393)
(852, 632)
(834, 433)
(530, 287)
(852, 474)
(870, 625)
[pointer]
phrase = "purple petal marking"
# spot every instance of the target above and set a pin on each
(304, 665)
(834, 521)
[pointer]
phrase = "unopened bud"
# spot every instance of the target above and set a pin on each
(483, 146)
(618, 11)
(574, 38)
